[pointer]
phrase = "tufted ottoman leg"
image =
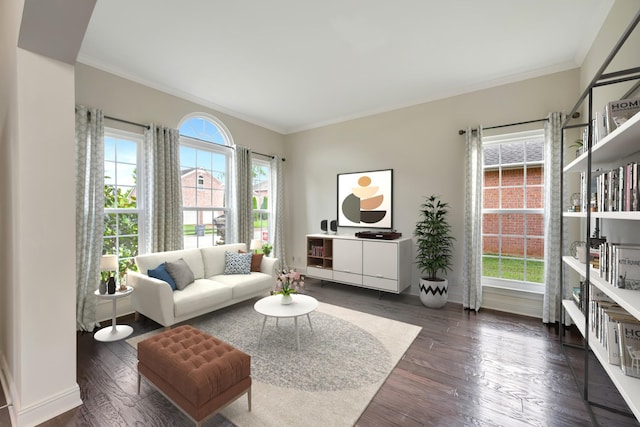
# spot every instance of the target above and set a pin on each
(198, 373)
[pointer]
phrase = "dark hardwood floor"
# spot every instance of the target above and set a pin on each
(464, 369)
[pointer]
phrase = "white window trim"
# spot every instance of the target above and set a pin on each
(140, 188)
(493, 282)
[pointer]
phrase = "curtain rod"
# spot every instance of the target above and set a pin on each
(232, 147)
(127, 122)
(462, 132)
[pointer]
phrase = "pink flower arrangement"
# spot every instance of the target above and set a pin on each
(289, 282)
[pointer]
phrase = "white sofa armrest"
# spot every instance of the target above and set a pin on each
(152, 297)
(269, 265)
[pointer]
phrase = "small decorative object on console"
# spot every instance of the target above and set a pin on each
(385, 235)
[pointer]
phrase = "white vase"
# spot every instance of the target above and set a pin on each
(286, 299)
(433, 294)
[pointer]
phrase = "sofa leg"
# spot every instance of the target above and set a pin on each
(249, 398)
(138, 383)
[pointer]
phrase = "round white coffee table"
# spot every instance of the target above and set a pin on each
(114, 332)
(271, 307)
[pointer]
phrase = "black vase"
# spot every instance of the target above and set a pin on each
(111, 285)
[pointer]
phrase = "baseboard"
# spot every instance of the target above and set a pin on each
(52, 407)
(8, 387)
(41, 411)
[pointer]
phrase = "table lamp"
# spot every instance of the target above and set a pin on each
(110, 263)
(255, 245)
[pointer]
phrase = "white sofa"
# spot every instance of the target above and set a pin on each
(211, 289)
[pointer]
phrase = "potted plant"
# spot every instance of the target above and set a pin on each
(434, 252)
(266, 249)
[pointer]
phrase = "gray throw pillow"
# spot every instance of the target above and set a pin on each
(237, 263)
(180, 273)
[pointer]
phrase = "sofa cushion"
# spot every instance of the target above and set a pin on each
(213, 257)
(237, 263)
(192, 257)
(243, 285)
(180, 272)
(160, 272)
(256, 260)
(201, 294)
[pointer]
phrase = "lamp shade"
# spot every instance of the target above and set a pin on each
(109, 263)
(255, 244)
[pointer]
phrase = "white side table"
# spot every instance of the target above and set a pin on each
(114, 332)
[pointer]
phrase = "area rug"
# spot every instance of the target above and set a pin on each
(330, 381)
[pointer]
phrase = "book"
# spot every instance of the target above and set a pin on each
(614, 316)
(618, 112)
(627, 267)
(629, 341)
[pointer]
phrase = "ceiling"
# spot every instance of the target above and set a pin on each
(290, 65)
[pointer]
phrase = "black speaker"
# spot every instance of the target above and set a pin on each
(323, 225)
(334, 225)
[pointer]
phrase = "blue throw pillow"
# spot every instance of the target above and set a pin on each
(160, 272)
(237, 263)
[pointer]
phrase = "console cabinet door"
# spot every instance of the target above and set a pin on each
(347, 256)
(380, 259)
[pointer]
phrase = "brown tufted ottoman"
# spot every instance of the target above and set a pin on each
(199, 373)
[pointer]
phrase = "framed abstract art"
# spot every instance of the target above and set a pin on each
(365, 199)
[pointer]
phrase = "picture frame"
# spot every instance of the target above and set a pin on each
(365, 199)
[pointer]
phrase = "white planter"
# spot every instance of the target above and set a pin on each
(433, 294)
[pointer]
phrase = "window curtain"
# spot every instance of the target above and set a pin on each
(472, 264)
(551, 308)
(242, 224)
(276, 225)
(89, 212)
(163, 193)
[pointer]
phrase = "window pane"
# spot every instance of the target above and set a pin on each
(511, 153)
(128, 224)
(535, 271)
(126, 174)
(512, 198)
(490, 224)
(205, 160)
(204, 198)
(535, 225)
(512, 269)
(535, 197)
(513, 246)
(127, 151)
(187, 158)
(491, 199)
(110, 221)
(534, 175)
(535, 248)
(109, 149)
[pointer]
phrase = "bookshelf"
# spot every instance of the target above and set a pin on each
(616, 149)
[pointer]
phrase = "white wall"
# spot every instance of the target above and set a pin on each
(125, 99)
(9, 22)
(43, 238)
(37, 238)
(422, 145)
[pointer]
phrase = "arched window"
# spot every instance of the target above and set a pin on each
(205, 158)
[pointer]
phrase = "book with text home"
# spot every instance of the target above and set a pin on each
(629, 340)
